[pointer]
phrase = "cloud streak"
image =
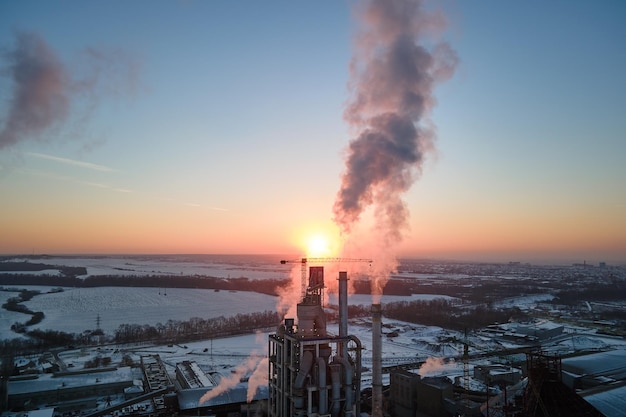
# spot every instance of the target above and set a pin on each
(76, 181)
(72, 162)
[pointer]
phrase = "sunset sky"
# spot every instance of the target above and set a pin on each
(218, 127)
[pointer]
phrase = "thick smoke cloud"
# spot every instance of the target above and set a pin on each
(41, 95)
(393, 74)
(45, 94)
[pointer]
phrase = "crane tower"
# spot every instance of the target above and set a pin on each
(307, 261)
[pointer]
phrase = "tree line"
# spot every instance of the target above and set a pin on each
(196, 328)
(173, 331)
(263, 286)
(443, 313)
(15, 304)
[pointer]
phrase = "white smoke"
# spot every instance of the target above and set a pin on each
(393, 75)
(435, 366)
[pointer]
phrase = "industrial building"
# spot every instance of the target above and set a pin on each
(411, 395)
(311, 372)
(70, 390)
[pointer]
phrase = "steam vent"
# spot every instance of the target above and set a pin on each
(312, 373)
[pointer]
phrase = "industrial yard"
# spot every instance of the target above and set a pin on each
(477, 372)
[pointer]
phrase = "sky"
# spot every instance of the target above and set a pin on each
(224, 127)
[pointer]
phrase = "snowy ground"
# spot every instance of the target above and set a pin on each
(226, 266)
(364, 299)
(77, 309)
(71, 310)
(525, 303)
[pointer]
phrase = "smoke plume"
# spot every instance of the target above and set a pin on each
(45, 94)
(394, 70)
(257, 379)
(230, 381)
(41, 94)
(436, 365)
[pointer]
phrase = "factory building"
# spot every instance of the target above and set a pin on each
(69, 390)
(311, 372)
(403, 392)
(194, 384)
(499, 375)
(189, 375)
(412, 395)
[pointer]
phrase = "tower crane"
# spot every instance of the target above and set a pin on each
(305, 261)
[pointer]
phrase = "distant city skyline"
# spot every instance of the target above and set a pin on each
(218, 127)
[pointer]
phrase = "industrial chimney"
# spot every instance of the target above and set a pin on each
(377, 355)
(343, 304)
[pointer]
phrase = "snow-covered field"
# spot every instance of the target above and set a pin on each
(525, 302)
(219, 266)
(77, 309)
(364, 299)
(7, 318)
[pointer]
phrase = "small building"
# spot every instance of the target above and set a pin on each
(189, 375)
(497, 374)
(431, 395)
(587, 371)
(403, 392)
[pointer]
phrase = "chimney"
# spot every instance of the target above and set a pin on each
(343, 304)
(377, 354)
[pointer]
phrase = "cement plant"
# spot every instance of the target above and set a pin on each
(446, 339)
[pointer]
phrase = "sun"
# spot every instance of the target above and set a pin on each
(318, 246)
(317, 240)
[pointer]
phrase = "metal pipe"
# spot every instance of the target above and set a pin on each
(335, 374)
(305, 366)
(357, 373)
(348, 372)
(321, 370)
(377, 354)
(343, 304)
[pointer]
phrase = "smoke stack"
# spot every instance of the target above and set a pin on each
(343, 304)
(377, 362)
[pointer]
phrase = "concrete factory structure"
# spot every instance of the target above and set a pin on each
(313, 373)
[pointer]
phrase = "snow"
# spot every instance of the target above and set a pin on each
(525, 302)
(214, 266)
(364, 299)
(43, 272)
(46, 382)
(611, 402)
(7, 318)
(76, 309)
